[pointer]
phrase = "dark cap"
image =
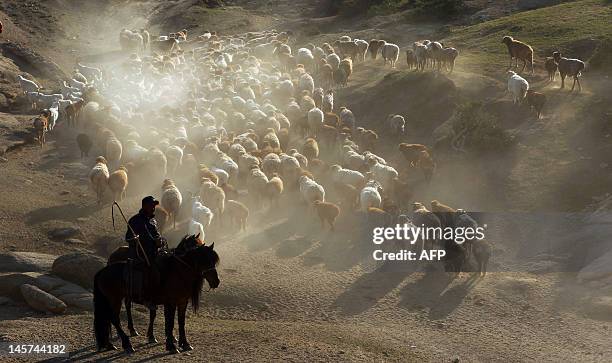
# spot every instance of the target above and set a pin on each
(149, 200)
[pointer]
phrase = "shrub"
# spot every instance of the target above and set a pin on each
(478, 131)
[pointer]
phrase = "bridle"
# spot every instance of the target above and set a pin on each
(203, 272)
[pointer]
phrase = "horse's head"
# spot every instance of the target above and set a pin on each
(207, 260)
(188, 243)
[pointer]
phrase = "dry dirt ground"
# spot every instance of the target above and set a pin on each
(290, 291)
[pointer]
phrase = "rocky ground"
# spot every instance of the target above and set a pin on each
(290, 291)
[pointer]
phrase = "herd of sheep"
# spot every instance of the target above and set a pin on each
(221, 125)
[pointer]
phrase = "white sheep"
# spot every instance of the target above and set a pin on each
(333, 60)
(27, 85)
(383, 174)
(362, 48)
(390, 52)
(420, 53)
(53, 115)
(256, 184)
(98, 177)
(171, 199)
(89, 72)
(174, 155)
(201, 213)
(306, 83)
(328, 102)
(134, 152)
(113, 151)
(353, 160)
(397, 124)
(347, 118)
(213, 197)
(311, 191)
(67, 90)
(315, 121)
(195, 228)
(369, 197)
(41, 100)
(517, 86)
(222, 175)
(347, 176)
(270, 164)
(304, 56)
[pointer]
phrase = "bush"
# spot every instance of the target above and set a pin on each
(478, 131)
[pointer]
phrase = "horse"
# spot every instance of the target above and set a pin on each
(182, 278)
(122, 253)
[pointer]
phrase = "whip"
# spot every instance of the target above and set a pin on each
(140, 248)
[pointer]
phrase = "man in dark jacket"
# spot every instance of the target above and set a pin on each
(144, 230)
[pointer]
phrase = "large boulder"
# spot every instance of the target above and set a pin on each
(71, 294)
(11, 282)
(25, 261)
(78, 267)
(82, 301)
(42, 301)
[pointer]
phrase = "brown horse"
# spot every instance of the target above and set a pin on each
(182, 280)
(122, 253)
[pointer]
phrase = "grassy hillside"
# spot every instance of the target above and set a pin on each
(580, 28)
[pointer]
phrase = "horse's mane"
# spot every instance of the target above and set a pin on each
(198, 284)
(186, 244)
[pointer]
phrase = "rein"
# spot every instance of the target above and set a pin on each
(190, 267)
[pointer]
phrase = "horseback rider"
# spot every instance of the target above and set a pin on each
(145, 231)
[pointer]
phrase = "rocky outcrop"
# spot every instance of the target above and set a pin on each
(71, 294)
(25, 261)
(41, 300)
(32, 62)
(78, 267)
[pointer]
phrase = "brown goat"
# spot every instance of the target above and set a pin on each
(118, 182)
(412, 152)
(348, 194)
(237, 213)
(519, 50)
(84, 143)
(536, 100)
(327, 212)
(310, 149)
(374, 46)
(551, 68)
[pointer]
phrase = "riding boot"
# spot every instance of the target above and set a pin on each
(151, 288)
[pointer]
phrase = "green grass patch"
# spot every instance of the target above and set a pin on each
(545, 29)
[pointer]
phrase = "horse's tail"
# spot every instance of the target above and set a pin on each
(102, 315)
